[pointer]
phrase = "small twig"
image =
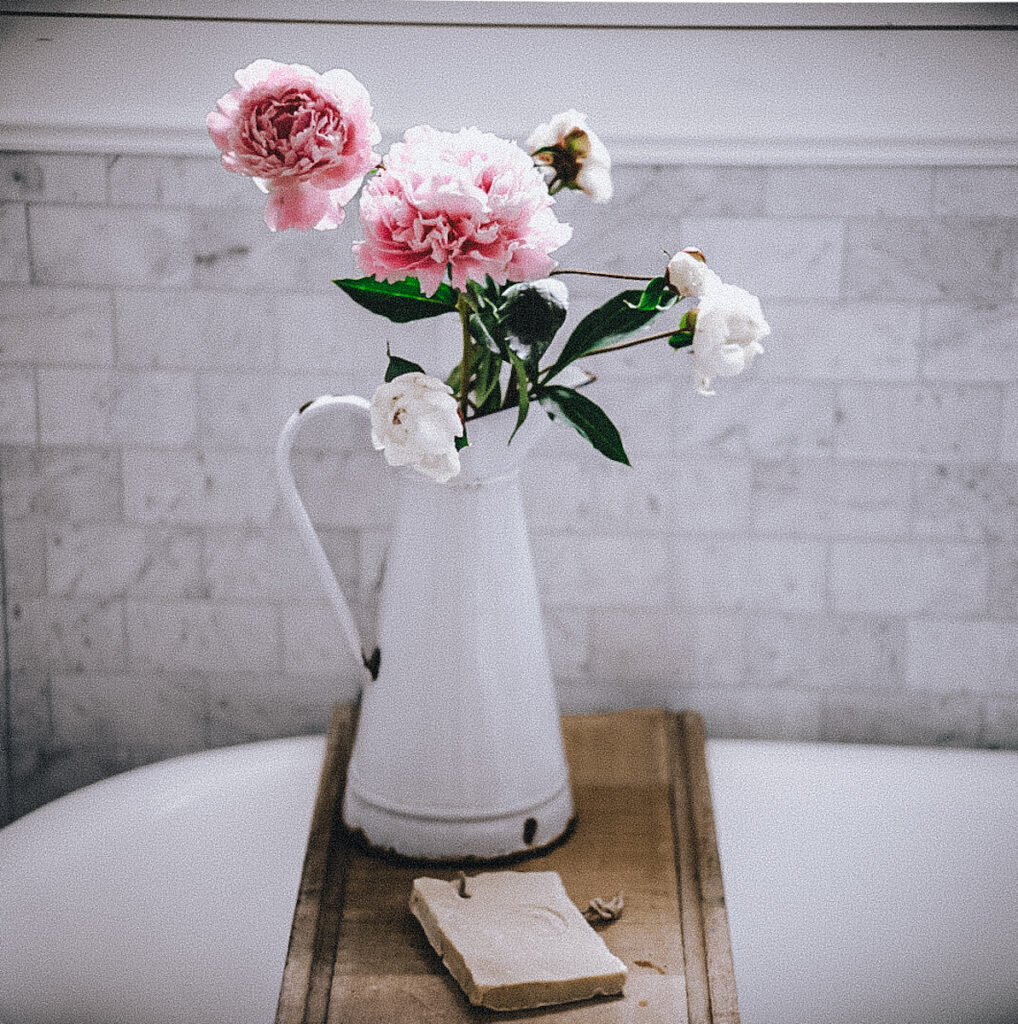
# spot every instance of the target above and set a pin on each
(601, 911)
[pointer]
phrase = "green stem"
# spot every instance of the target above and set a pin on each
(463, 306)
(630, 344)
(602, 273)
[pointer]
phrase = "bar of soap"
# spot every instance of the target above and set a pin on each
(517, 941)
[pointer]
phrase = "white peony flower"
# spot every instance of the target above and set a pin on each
(578, 158)
(689, 275)
(726, 338)
(415, 422)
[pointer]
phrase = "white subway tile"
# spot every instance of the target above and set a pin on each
(60, 483)
(53, 177)
(756, 573)
(109, 246)
(976, 191)
(667, 648)
(827, 498)
(96, 406)
(70, 634)
(951, 656)
(849, 191)
(632, 233)
(947, 578)
(1009, 429)
(567, 632)
(238, 410)
(15, 264)
(202, 636)
(712, 494)
(785, 574)
(196, 330)
(599, 569)
(132, 719)
(18, 415)
(973, 501)
(642, 411)
(795, 259)
(971, 343)
(238, 253)
(913, 259)
(959, 423)
(868, 716)
(331, 333)
(55, 326)
(616, 497)
(552, 488)
(259, 563)
(753, 417)
(849, 341)
(182, 182)
(113, 559)
(24, 559)
(1004, 580)
(243, 708)
(822, 651)
(162, 486)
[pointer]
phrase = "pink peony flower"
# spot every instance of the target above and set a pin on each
(305, 138)
(468, 201)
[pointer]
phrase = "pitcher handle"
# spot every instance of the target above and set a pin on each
(308, 534)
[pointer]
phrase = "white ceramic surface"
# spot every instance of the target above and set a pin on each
(864, 885)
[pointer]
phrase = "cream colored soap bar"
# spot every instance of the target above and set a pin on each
(516, 941)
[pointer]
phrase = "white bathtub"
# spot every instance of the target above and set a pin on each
(864, 885)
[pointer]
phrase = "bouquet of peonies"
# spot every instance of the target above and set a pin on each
(463, 222)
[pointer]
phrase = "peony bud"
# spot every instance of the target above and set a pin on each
(576, 156)
(688, 274)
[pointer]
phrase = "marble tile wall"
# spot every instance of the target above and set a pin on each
(828, 549)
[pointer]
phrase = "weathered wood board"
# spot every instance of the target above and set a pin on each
(645, 828)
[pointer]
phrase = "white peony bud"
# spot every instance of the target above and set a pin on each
(415, 422)
(689, 275)
(578, 158)
(729, 326)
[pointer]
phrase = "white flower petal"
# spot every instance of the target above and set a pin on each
(415, 422)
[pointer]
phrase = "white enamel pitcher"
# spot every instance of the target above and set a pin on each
(458, 753)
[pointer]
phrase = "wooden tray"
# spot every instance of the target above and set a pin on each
(645, 828)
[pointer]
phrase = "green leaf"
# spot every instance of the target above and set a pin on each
(523, 386)
(681, 339)
(486, 386)
(618, 317)
(398, 366)
(658, 295)
(585, 417)
(484, 331)
(401, 302)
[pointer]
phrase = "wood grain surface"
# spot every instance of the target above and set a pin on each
(645, 828)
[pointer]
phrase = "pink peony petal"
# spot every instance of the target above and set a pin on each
(297, 206)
